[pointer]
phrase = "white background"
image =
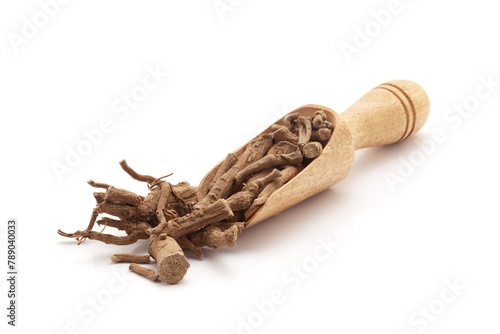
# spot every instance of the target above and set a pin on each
(230, 76)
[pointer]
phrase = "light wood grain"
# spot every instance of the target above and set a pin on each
(387, 114)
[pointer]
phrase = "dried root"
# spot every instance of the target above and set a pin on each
(282, 133)
(217, 235)
(286, 175)
(147, 272)
(305, 130)
(269, 161)
(289, 121)
(229, 162)
(322, 135)
(312, 150)
(181, 216)
(172, 264)
(255, 150)
(132, 258)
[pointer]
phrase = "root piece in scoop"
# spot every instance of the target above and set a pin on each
(305, 130)
(229, 162)
(286, 175)
(255, 150)
(282, 147)
(289, 121)
(224, 234)
(243, 199)
(312, 150)
(282, 133)
(133, 258)
(322, 135)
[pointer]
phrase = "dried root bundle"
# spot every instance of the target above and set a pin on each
(177, 217)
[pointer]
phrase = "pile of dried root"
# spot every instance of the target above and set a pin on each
(181, 216)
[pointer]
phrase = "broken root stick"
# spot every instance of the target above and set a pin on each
(172, 264)
(132, 258)
(147, 272)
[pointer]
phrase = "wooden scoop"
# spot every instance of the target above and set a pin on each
(387, 114)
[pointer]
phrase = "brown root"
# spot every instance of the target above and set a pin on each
(81, 236)
(147, 272)
(289, 121)
(305, 130)
(255, 150)
(269, 161)
(282, 147)
(318, 119)
(133, 258)
(185, 217)
(217, 235)
(286, 175)
(243, 199)
(172, 264)
(136, 176)
(312, 150)
(322, 135)
(229, 162)
(282, 133)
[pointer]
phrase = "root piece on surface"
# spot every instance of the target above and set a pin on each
(133, 258)
(172, 264)
(136, 176)
(312, 149)
(147, 272)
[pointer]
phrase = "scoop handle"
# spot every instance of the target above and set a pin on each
(389, 113)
